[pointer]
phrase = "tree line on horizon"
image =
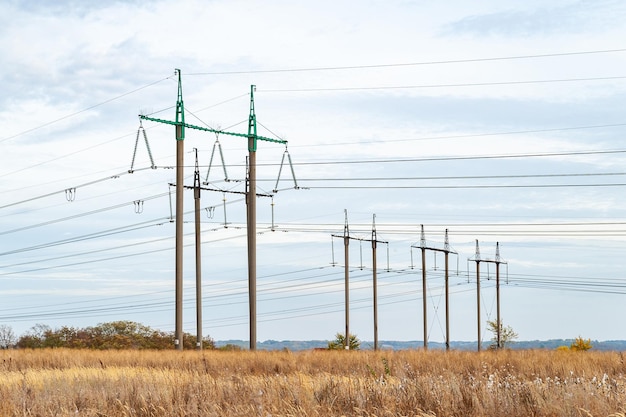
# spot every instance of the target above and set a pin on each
(111, 335)
(134, 335)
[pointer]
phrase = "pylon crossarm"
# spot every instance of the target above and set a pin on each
(208, 129)
(191, 187)
(416, 246)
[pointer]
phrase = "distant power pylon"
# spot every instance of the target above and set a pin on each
(447, 251)
(497, 261)
(375, 242)
(346, 243)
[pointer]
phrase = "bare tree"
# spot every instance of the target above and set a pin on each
(7, 336)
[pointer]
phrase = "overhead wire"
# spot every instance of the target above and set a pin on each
(107, 141)
(391, 65)
(337, 162)
(82, 238)
(89, 252)
(78, 215)
(272, 287)
(121, 306)
(334, 68)
(83, 110)
(149, 306)
(439, 187)
(460, 177)
(447, 158)
(97, 181)
(65, 155)
(465, 158)
(427, 86)
(283, 314)
(463, 136)
(110, 258)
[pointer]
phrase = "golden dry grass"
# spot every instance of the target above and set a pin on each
(407, 383)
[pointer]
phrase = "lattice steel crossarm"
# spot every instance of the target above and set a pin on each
(208, 129)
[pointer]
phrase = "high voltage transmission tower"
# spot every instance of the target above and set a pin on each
(447, 251)
(253, 138)
(346, 242)
(478, 259)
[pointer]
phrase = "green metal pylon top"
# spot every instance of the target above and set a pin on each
(180, 121)
(180, 109)
(252, 122)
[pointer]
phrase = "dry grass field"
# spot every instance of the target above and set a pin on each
(63, 382)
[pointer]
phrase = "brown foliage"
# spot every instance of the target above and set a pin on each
(66, 382)
(111, 335)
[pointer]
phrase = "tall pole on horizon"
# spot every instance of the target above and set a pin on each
(374, 283)
(446, 247)
(477, 255)
(180, 176)
(497, 261)
(251, 217)
(346, 246)
(196, 195)
(447, 251)
(179, 125)
(252, 137)
(498, 319)
(424, 299)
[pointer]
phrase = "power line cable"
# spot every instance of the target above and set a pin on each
(79, 215)
(460, 177)
(154, 306)
(460, 158)
(110, 177)
(467, 136)
(284, 312)
(96, 235)
(400, 87)
(108, 141)
(111, 258)
(452, 61)
(91, 302)
(82, 111)
(64, 156)
(437, 187)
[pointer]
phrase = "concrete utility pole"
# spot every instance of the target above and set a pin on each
(424, 305)
(477, 259)
(374, 283)
(346, 243)
(251, 216)
(251, 205)
(375, 242)
(180, 175)
(446, 250)
(496, 261)
(180, 125)
(196, 195)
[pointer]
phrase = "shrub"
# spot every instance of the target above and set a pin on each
(340, 342)
(580, 344)
(112, 335)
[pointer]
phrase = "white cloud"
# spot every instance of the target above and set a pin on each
(90, 59)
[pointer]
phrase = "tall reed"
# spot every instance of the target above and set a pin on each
(313, 383)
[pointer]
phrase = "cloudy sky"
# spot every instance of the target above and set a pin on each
(499, 121)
